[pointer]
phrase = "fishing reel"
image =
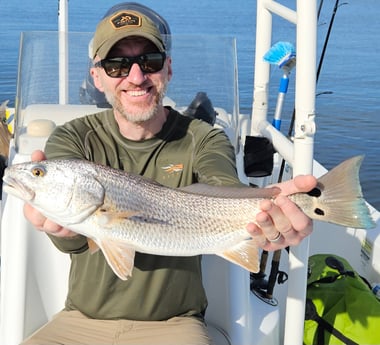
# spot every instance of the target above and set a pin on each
(261, 286)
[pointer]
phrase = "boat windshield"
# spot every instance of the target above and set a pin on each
(54, 85)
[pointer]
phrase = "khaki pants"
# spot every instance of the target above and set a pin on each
(72, 327)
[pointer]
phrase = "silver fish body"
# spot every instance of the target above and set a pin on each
(123, 213)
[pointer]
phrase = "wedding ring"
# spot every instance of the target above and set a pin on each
(276, 239)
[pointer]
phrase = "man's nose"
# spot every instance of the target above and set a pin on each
(136, 75)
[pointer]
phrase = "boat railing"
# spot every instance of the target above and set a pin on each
(299, 152)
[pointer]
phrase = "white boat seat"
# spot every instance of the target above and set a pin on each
(40, 119)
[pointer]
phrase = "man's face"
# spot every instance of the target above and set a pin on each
(138, 96)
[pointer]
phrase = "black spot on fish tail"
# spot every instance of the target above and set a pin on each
(319, 212)
(315, 192)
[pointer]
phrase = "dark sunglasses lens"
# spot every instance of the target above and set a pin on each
(151, 63)
(116, 67)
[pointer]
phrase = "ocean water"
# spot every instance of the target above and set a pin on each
(348, 105)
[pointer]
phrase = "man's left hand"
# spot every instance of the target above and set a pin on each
(281, 223)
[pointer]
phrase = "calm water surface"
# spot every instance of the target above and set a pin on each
(348, 109)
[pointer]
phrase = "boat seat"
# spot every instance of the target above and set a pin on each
(40, 119)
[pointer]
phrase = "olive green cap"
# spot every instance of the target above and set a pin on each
(122, 24)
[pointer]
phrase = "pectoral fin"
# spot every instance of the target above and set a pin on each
(119, 256)
(245, 254)
(92, 246)
(110, 218)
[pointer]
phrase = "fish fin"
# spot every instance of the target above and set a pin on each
(120, 256)
(109, 218)
(92, 246)
(243, 192)
(338, 197)
(245, 254)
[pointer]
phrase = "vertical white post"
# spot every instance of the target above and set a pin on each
(262, 68)
(63, 51)
(13, 273)
(302, 160)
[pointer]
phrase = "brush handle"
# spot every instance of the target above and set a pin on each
(284, 82)
(283, 89)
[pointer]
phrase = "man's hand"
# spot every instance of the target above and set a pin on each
(38, 220)
(281, 223)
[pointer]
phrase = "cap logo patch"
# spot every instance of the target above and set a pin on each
(125, 19)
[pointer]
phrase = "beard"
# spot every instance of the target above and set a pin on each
(138, 112)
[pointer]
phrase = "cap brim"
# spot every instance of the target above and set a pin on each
(104, 49)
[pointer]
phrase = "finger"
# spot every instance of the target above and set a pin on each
(305, 183)
(280, 225)
(296, 219)
(278, 219)
(272, 221)
(53, 228)
(34, 216)
(39, 221)
(38, 155)
(300, 184)
(257, 234)
(63, 232)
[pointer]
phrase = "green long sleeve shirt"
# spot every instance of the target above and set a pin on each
(185, 151)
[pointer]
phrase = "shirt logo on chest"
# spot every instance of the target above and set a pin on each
(173, 168)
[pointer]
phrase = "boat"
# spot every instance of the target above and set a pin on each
(34, 273)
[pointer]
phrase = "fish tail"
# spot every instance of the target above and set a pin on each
(338, 197)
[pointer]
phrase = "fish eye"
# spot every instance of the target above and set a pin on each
(38, 172)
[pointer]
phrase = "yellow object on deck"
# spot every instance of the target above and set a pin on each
(6, 128)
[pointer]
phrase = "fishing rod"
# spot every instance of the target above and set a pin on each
(335, 9)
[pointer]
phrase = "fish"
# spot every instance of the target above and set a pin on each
(121, 213)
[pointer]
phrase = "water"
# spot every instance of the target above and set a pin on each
(347, 110)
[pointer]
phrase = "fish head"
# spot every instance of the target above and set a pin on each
(65, 191)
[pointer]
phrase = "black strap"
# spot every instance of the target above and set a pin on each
(312, 314)
(332, 279)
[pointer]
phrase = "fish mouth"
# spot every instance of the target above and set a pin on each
(17, 189)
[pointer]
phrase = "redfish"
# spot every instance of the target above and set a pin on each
(123, 213)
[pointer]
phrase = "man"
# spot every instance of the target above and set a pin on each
(164, 301)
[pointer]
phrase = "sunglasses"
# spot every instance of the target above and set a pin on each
(118, 67)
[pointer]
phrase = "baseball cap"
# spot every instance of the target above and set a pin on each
(130, 19)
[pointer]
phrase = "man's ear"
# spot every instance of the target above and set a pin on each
(170, 69)
(95, 76)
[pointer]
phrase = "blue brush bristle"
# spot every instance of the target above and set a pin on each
(280, 53)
